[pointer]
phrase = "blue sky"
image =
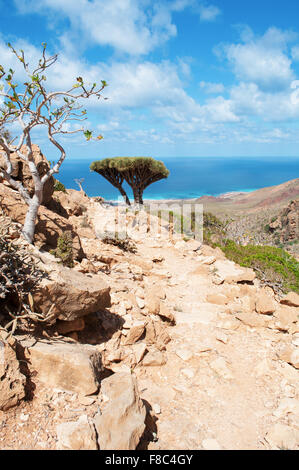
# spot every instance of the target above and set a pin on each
(185, 77)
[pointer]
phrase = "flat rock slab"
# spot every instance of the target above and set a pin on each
(70, 367)
(228, 271)
(204, 313)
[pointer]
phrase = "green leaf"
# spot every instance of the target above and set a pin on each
(88, 134)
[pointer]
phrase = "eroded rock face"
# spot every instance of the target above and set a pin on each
(22, 173)
(121, 424)
(70, 367)
(12, 381)
(49, 225)
(72, 293)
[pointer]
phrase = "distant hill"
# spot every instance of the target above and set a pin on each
(272, 198)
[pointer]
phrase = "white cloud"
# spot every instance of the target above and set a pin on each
(208, 12)
(212, 88)
(134, 27)
(262, 60)
(122, 24)
(295, 53)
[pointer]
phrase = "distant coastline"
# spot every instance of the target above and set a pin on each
(191, 178)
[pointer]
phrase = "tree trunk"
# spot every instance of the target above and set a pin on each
(137, 195)
(30, 220)
(124, 195)
(140, 193)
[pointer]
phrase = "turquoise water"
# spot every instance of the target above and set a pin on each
(192, 177)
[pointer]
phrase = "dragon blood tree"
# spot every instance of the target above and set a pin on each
(138, 172)
(107, 169)
(28, 105)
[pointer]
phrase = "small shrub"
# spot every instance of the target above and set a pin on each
(58, 186)
(64, 249)
(271, 264)
(124, 244)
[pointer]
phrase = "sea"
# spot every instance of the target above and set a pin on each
(191, 177)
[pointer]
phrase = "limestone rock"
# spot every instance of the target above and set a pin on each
(165, 312)
(228, 271)
(12, 381)
(264, 303)
(121, 423)
(218, 299)
(154, 358)
(285, 317)
(71, 367)
(135, 332)
(291, 356)
(76, 435)
(152, 303)
(208, 260)
(74, 202)
(73, 294)
(282, 437)
(193, 245)
(292, 299)
(251, 319)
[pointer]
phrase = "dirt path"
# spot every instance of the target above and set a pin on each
(222, 385)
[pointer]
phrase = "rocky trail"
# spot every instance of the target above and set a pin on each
(195, 353)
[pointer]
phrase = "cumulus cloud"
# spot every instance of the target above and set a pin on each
(130, 26)
(263, 60)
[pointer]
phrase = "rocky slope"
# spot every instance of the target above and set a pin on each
(169, 346)
(271, 199)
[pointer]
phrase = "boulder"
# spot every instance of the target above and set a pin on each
(22, 173)
(72, 293)
(70, 367)
(73, 202)
(120, 424)
(12, 381)
(292, 299)
(285, 317)
(76, 435)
